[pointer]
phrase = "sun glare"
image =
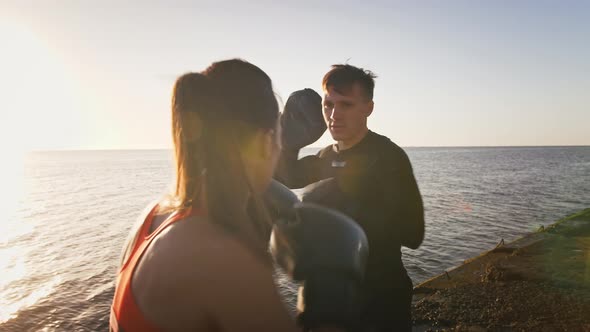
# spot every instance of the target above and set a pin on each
(20, 48)
(38, 92)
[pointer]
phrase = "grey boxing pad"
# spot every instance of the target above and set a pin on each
(280, 201)
(302, 120)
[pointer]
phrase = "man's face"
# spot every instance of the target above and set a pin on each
(346, 114)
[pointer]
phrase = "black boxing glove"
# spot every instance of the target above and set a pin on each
(302, 120)
(328, 252)
(329, 193)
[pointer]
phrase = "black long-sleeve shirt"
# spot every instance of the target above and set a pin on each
(377, 188)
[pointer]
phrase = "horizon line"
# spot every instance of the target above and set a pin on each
(314, 147)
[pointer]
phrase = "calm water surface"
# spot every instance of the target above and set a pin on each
(68, 214)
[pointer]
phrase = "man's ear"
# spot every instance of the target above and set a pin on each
(370, 108)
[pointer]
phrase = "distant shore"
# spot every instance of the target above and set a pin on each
(538, 282)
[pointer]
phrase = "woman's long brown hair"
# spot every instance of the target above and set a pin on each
(213, 114)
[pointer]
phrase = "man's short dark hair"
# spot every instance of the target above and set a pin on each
(343, 76)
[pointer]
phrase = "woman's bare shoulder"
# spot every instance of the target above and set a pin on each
(196, 250)
(200, 239)
(205, 268)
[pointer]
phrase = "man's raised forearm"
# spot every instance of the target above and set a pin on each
(287, 171)
(297, 173)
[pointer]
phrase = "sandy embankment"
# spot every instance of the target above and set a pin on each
(538, 282)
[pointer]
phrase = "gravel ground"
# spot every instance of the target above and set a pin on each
(541, 286)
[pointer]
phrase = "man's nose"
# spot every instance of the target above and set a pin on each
(335, 113)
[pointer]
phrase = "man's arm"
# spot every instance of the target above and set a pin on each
(297, 173)
(402, 191)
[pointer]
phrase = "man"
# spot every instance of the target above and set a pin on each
(372, 182)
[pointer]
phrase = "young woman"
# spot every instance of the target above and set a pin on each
(198, 260)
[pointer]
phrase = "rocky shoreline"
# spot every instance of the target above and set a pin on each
(539, 282)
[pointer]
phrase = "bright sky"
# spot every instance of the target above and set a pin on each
(98, 74)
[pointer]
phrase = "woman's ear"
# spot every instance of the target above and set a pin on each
(268, 143)
(261, 145)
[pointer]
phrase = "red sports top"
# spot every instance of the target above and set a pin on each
(125, 314)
